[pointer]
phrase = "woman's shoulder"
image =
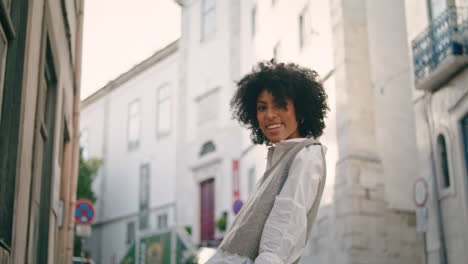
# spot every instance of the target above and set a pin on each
(313, 148)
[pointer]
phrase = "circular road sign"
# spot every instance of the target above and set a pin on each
(84, 212)
(237, 206)
(420, 192)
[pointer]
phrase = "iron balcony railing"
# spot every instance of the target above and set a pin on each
(446, 35)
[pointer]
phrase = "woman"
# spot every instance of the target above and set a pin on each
(284, 106)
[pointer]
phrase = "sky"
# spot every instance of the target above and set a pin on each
(119, 34)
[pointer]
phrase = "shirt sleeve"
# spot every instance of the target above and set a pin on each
(284, 234)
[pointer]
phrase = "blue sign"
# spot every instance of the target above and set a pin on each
(84, 212)
(237, 206)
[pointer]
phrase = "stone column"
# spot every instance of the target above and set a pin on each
(367, 230)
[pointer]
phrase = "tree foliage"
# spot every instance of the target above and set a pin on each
(86, 172)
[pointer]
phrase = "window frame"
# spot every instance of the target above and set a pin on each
(144, 205)
(208, 14)
(444, 191)
(160, 225)
(304, 27)
(253, 21)
(133, 144)
(13, 23)
(131, 233)
(277, 51)
(159, 102)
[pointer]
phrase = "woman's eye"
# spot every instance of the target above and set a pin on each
(261, 108)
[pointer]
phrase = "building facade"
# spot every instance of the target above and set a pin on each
(395, 117)
(40, 65)
(438, 41)
(132, 125)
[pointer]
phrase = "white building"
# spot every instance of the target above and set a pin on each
(174, 158)
(201, 151)
(131, 124)
(438, 37)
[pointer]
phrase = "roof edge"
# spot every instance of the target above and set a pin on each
(158, 56)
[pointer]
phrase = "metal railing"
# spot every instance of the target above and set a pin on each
(446, 35)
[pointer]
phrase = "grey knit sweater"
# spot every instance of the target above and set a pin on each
(243, 238)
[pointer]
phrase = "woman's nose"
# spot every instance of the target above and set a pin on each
(271, 112)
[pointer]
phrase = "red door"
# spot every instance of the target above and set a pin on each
(207, 210)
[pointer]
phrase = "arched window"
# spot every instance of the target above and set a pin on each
(464, 124)
(443, 161)
(208, 147)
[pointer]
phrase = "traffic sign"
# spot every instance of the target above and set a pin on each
(84, 212)
(237, 206)
(420, 192)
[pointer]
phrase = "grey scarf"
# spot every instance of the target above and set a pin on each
(245, 233)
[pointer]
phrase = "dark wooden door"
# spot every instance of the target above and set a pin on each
(207, 210)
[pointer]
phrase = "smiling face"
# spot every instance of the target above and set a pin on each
(277, 123)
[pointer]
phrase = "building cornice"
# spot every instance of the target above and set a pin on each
(139, 68)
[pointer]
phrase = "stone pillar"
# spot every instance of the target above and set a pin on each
(367, 230)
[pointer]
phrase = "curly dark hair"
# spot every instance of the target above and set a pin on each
(283, 81)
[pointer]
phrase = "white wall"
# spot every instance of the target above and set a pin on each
(440, 112)
(118, 182)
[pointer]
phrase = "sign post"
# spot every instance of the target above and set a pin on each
(237, 204)
(84, 217)
(421, 194)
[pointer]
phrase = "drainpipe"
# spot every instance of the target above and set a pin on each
(429, 121)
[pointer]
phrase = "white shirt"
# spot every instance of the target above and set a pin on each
(284, 234)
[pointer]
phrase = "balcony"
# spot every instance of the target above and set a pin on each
(441, 50)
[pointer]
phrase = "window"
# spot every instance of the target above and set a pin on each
(130, 232)
(208, 23)
(304, 27)
(464, 124)
(84, 143)
(208, 147)
(13, 31)
(254, 21)
(162, 221)
(133, 124)
(3, 54)
(251, 180)
(144, 195)
(207, 106)
(436, 8)
(277, 51)
(443, 161)
(163, 126)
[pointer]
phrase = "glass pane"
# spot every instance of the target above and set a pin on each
(133, 108)
(164, 116)
(437, 7)
(208, 4)
(133, 129)
(163, 93)
(254, 20)
(133, 123)
(465, 139)
(443, 161)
